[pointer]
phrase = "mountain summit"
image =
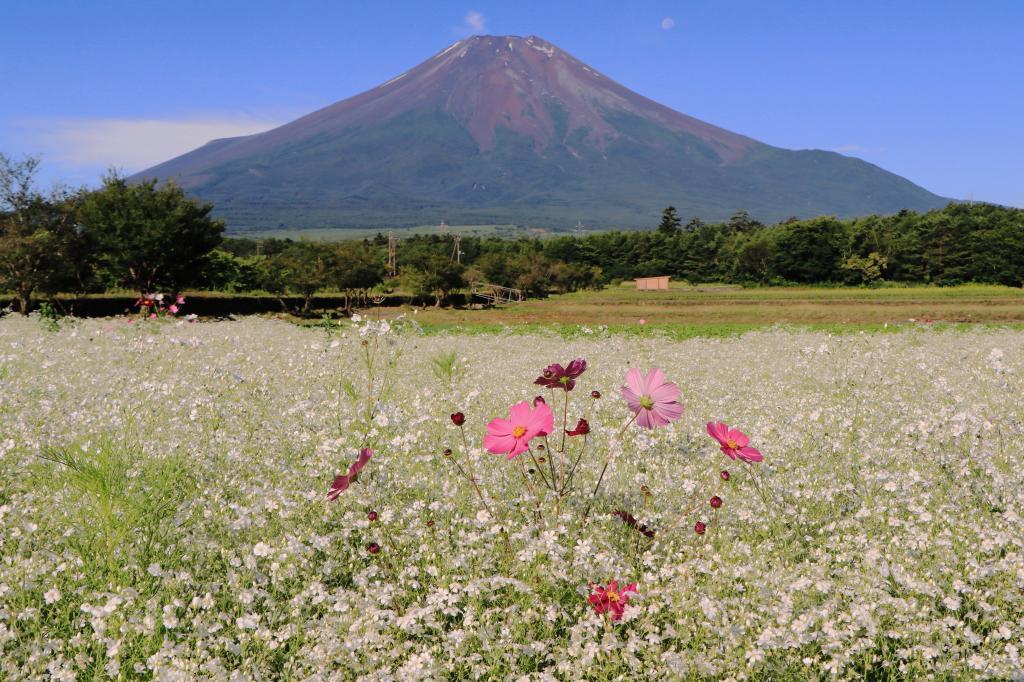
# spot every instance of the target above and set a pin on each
(503, 129)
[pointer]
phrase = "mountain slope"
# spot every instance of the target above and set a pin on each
(514, 130)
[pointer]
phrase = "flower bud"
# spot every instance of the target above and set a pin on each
(715, 502)
(447, 453)
(458, 418)
(724, 475)
(372, 516)
(373, 548)
(595, 394)
(699, 528)
(539, 399)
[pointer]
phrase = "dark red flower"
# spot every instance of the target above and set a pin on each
(582, 428)
(372, 516)
(631, 521)
(715, 501)
(364, 456)
(724, 475)
(373, 548)
(699, 528)
(339, 486)
(342, 482)
(556, 376)
(458, 418)
(595, 394)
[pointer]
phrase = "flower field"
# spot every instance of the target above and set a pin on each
(164, 504)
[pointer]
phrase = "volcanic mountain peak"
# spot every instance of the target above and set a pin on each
(525, 85)
(505, 129)
(537, 90)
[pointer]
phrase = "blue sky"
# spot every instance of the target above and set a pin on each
(931, 90)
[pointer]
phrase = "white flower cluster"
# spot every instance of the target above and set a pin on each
(168, 519)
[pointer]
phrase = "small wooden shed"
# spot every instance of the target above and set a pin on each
(652, 283)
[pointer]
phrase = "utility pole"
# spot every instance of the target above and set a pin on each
(579, 229)
(392, 254)
(457, 248)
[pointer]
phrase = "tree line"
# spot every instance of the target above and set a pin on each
(145, 237)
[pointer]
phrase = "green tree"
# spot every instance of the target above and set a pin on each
(358, 267)
(149, 237)
(810, 250)
(39, 245)
(304, 268)
(756, 254)
(433, 275)
(670, 221)
(866, 270)
(742, 222)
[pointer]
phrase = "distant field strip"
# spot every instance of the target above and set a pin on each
(722, 305)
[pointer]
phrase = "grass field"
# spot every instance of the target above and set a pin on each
(720, 309)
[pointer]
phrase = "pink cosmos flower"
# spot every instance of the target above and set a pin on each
(174, 309)
(342, 482)
(654, 401)
(734, 443)
(512, 436)
(611, 598)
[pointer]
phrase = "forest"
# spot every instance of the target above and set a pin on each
(144, 238)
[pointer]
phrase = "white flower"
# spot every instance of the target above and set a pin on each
(249, 621)
(262, 549)
(52, 596)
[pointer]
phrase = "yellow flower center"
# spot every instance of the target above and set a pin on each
(646, 402)
(519, 431)
(731, 444)
(613, 597)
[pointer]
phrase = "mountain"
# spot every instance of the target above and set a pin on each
(510, 130)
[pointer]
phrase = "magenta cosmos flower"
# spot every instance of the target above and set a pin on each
(654, 401)
(611, 599)
(556, 376)
(512, 436)
(734, 443)
(341, 483)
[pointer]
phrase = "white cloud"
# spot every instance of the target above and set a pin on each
(474, 23)
(131, 144)
(667, 23)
